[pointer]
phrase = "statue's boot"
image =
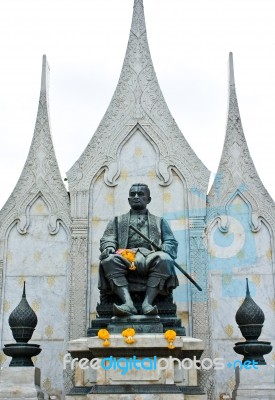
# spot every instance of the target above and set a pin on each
(147, 306)
(124, 310)
(127, 308)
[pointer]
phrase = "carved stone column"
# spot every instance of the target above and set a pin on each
(1, 277)
(200, 300)
(1, 292)
(78, 279)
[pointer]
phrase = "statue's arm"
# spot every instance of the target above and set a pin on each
(108, 242)
(169, 243)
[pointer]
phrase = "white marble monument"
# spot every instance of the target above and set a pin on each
(50, 237)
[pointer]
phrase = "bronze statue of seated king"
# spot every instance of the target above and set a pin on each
(138, 250)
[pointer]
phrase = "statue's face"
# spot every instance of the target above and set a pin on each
(139, 197)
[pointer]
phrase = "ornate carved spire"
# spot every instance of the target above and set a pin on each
(40, 175)
(23, 320)
(249, 312)
(137, 99)
(236, 172)
(250, 318)
(138, 22)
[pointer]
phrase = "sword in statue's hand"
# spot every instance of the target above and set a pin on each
(156, 247)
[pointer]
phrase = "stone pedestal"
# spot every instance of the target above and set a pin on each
(20, 383)
(144, 370)
(141, 324)
(256, 384)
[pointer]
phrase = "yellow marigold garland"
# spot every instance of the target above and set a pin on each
(128, 335)
(103, 334)
(130, 255)
(170, 336)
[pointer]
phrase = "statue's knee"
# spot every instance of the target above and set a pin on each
(118, 282)
(165, 256)
(106, 261)
(110, 259)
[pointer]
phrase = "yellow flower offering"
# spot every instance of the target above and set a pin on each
(130, 255)
(103, 334)
(128, 335)
(170, 336)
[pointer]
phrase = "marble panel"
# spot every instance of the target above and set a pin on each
(256, 394)
(174, 199)
(262, 377)
(20, 383)
(240, 250)
(37, 252)
(21, 376)
(134, 376)
(50, 361)
(228, 293)
(139, 158)
(102, 204)
(160, 396)
(39, 207)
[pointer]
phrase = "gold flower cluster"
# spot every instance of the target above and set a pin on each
(103, 334)
(128, 334)
(170, 336)
(129, 255)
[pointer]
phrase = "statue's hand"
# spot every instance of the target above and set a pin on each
(107, 252)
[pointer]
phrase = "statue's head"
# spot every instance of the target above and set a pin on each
(139, 196)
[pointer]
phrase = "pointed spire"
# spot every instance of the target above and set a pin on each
(247, 288)
(138, 99)
(137, 59)
(40, 175)
(235, 143)
(236, 170)
(138, 26)
(24, 290)
(231, 70)
(45, 74)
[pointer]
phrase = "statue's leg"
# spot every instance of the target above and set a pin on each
(116, 270)
(127, 308)
(147, 305)
(159, 266)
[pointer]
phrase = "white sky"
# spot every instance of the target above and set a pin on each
(85, 43)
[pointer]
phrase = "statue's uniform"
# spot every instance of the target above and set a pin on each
(153, 268)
